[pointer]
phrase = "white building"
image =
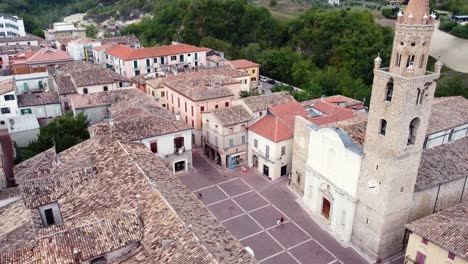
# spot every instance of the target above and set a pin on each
(82, 49)
(28, 40)
(23, 129)
(31, 82)
(270, 140)
(11, 26)
(331, 175)
(8, 103)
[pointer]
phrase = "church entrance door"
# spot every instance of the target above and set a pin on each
(326, 208)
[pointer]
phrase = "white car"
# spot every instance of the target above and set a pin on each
(263, 79)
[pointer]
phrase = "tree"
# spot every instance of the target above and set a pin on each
(64, 132)
(91, 31)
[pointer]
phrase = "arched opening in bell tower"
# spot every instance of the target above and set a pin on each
(389, 90)
(413, 130)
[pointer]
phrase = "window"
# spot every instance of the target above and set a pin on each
(383, 126)
(178, 142)
(85, 90)
(185, 106)
(191, 109)
(9, 97)
(420, 258)
(105, 89)
(410, 61)
(161, 60)
(196, 56)
(253, 71)
(193, 125)
(186, 119)
(57, 109)
(451, 256)
(178, 102)
(148, 63)
(202, 108)
(148, 70)
(216, 106)
(413, 130)
(26, 111)
(173, 58)
(162, 94)
(398, 60)
(255, 143)
(137, 73)
(231, 130)
(389, 90)
(135, 64)
(267, 151)
(283, 150)
(49, 216)
(2, 122)
(425, 241)
(155, 60)
(154, 147)
(421, 61)
(418, 96)
(172, 98)
(226, 104)
(231, 142)
(450, 138)
(243, 139)
(181, 58)
(100, 260)
(5, 110)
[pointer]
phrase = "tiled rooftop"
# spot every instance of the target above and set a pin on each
(278, 125)
(448, 112)
(103, 98)
(204, 84)
(127, 53)
(447, 228)
(232, 115)
(215, 58)
(339, 100)
(133, 200)
(47, 54)
(242, 64)
(15, 227)
(7, 86)
(82, 74)
(442, 164)
(28, 37)
(33, 99)
(263, 102)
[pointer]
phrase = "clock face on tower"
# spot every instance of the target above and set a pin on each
(373, 186)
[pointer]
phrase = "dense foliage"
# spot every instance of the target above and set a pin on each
(310, 52)
(63, 133)
(454, 28)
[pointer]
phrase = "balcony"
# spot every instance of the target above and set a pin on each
(179, 151)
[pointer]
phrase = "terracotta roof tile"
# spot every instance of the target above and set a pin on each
(127, 53)
(242, 64)
(34, 99)
(7, 86)
(232, 115)
(16, 230)
(46, 55)
(442, 164)
(64, 85)
(263, 102)
(447, 228)
(447, 112)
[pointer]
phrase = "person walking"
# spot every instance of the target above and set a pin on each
(281, 220)
(278, 222)
(200, 195)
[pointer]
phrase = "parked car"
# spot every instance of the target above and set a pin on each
(271, 81)
(263, 79)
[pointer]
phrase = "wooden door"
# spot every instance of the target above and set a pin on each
(326, 208)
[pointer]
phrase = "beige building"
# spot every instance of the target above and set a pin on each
(270, 140)
(63, 30)
(249, 67)
(225, 136)
(191, 93)
(440, 238)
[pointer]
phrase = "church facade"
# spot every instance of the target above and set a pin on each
(377, 172)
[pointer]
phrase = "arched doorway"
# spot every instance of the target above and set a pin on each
(255, 161)
(326, 206)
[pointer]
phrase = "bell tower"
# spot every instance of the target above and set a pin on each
(400, 107)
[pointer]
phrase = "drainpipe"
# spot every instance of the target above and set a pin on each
(463, 190)
(437, 198)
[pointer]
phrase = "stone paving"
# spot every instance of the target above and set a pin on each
(248, 205)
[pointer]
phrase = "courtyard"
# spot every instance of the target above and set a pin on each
(248, 205)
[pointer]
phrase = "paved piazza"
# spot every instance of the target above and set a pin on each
(248, 205)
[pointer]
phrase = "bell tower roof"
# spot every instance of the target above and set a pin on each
(416, 12)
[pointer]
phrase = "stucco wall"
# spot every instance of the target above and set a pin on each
(434, 254)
